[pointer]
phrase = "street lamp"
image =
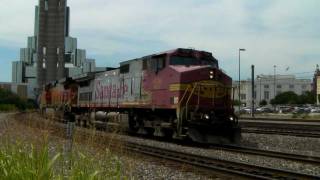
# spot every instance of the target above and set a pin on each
(241, 49)
(259, 78)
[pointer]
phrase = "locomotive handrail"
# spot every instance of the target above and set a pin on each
(179, 107)
(187, 103)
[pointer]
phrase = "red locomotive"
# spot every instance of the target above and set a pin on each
(180, 93)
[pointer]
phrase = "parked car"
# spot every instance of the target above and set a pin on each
(245, 110)
(315, 110)
(263, 110)
(300, 110)
(285, 109)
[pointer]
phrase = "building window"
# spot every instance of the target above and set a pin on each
(255, 94)
(43, 65)
(291, 86)
(243, 96)
(58, 50)
(279, 86)
(46, 6)
(44, 50)
(266, 94)
(266, 86)
(304, 86)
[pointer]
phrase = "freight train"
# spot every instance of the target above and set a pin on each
(181, 93)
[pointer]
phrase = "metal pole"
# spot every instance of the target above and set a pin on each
(239, 78)
(252, 90)
(274, 84)
(274, 80)
(260, 89)
(239, 84)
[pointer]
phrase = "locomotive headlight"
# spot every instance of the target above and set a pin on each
(211, 72)
(231, 118)
(206, 116)
(211, 76)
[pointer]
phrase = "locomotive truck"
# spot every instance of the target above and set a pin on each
(181, 93)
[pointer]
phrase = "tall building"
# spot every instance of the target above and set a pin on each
(51, 53)
(52, 30)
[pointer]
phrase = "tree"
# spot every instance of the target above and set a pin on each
(288, 97)
(9, 98)
(292, 98)
(307, 98)
(263, 103)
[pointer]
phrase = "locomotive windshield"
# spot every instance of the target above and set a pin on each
(189, 61)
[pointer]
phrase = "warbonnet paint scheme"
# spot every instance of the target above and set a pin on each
(180, 93)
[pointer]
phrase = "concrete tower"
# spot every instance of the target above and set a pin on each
(53, 27)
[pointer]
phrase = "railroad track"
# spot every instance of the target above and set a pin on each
(286, 132)
(281, 127)
(314, 160)
(240, 170)
(279, 119)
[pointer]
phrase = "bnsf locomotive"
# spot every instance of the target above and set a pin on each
(180, 93)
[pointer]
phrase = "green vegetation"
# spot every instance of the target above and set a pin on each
(263, 103)
(11, 102)
(29, 162)
(292, 98)
(236, 102)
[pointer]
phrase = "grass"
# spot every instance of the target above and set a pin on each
(34, 154)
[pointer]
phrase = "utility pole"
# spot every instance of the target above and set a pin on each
(274, 83)
(239, 79)
(252, 90)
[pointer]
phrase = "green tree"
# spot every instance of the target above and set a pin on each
(307, 98)
(288, 97)
(9, 98)
(263, 103)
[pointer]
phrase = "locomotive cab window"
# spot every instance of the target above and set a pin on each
(157, 63)
(124, 69)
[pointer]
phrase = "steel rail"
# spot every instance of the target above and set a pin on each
(314, 160)
(279, 119)
(228, 167)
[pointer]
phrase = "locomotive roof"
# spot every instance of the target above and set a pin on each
(167, 52)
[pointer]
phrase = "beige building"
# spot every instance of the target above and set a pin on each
(266, 87)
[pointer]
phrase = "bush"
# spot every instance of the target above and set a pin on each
(9, 99)
(7, 107)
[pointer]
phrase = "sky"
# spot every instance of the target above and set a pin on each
(285, 33)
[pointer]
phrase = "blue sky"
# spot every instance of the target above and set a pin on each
(285, 33)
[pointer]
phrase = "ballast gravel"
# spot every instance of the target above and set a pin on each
(288, 144)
